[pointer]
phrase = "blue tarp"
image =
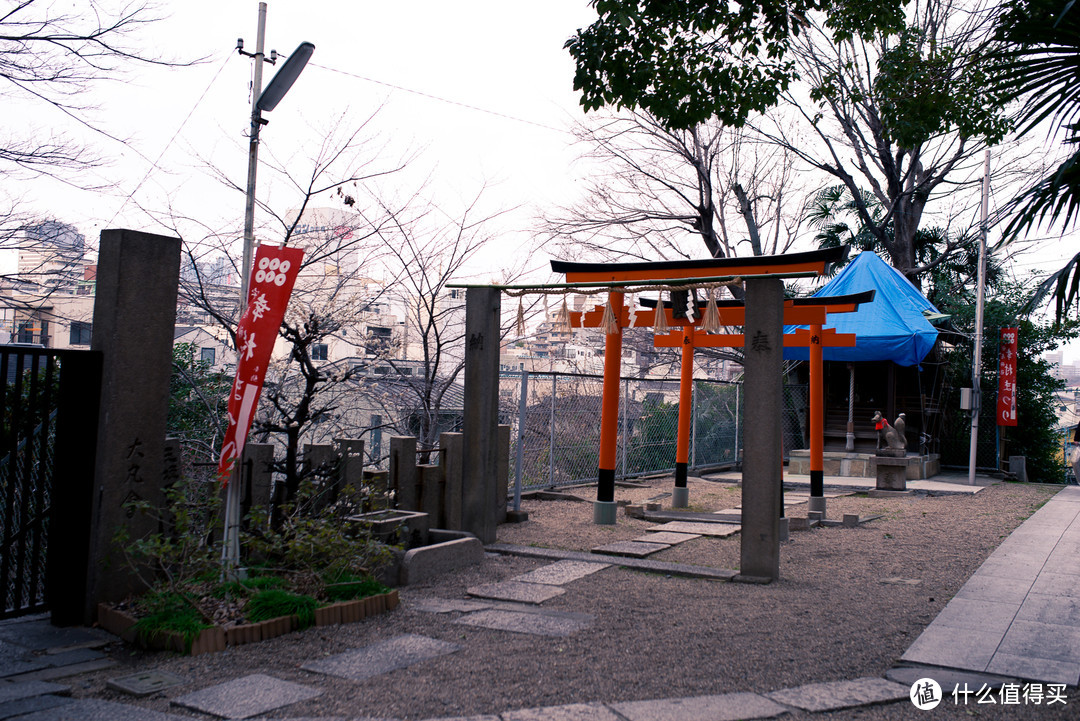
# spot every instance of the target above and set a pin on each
(892, 327)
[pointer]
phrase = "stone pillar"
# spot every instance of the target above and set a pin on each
(350, 453)
(762, 459)
(481, 417)
(431, 492)
(257, 478)
(403, 472)
(320, 469)
(134, 317)
(452, 445)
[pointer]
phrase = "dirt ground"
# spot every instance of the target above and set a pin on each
(848, 604)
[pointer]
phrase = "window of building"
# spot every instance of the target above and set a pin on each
(318, 351)
(208, 354)
(382, 370)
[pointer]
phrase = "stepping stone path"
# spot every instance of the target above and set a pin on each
(668, 538)
(383, 657)
(841, 694)
(718, 530)
(633, 549)
(246, 696)
(517, 592)
(549, 623)
(560, 572)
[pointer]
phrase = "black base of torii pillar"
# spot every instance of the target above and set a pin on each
(762, 491)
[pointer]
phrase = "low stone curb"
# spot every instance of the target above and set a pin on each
(217, 638)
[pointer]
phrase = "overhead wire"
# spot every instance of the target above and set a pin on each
(440, 99)
(154, 165)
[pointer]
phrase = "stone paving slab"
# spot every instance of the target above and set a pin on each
(633, 549)
(95, 710)
(1042, 669)
(15, 659)
(41, 635)
(671, 539)
(537, 624)
(682, 570)
(482, 717)
(447, 605)
(726, 707)
(560, 572)
(518, 592)
(720, 530)
(382, 657)
(569, 712)
(10, 691)
(841, 694)
(247, 696)
(53, 672)
(23, 706)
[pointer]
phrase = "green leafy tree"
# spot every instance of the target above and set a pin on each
(900, 101)
(1041, 67)
(686, 62)
(1034, 436)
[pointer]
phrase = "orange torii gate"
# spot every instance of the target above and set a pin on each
(687, 334)
(763, 276)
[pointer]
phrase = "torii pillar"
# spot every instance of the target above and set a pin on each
(604, 508)
(680, 497)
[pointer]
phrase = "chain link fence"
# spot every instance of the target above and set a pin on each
(555, 425)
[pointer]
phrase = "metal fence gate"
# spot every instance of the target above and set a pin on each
(49, 400)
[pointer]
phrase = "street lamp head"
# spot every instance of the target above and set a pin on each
(285, 77)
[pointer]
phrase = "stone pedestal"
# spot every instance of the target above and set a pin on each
(604, 512)
(891, 471)
(680, 497)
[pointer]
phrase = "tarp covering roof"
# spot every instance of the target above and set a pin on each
(892, 327)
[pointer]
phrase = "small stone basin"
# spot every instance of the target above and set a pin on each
(394, 527)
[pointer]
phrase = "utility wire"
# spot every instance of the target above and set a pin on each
(429, 96)
(154, 165)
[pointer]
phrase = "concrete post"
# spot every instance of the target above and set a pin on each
(481, 417)
(259, 481)
(134, 316)
(762, 460)
(320, 469)
(350, 453)
(403, 472)
(452, 445)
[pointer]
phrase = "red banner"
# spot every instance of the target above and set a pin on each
(1006, 405)
(273, 275)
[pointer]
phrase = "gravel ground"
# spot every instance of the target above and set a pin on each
(830, 617)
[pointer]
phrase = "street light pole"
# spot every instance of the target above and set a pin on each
(260, 101)
(253, 158)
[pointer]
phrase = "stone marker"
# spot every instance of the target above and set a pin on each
(246, 696)
(480, 419)
(561, 572)
(134, 319)
(851, 520)
(533, 623)
(841, 694)
(383, 657)
(519, 592)
(633, 549)
(762, 488)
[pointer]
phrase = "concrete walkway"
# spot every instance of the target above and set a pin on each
(1017, 618)
(1019, 615)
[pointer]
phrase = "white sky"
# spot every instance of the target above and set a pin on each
(504, 57)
